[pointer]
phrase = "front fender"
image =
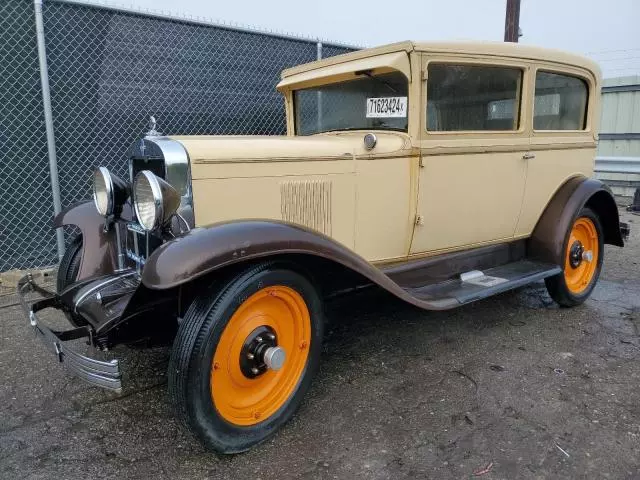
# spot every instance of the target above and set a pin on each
(547, 243)
(206, 249)
(98, 246)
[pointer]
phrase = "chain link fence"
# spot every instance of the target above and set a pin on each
(109, 70)
(26, 238)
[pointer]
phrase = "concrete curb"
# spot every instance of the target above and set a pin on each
(9, 279)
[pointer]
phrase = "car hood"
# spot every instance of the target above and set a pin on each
(226, 149)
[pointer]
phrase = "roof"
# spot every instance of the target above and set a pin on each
(498, 49)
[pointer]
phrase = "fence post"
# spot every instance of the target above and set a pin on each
(48, 120)
(319, 94)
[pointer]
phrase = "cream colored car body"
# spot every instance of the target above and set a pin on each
(416, 193)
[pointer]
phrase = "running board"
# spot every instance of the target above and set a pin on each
(476, 285)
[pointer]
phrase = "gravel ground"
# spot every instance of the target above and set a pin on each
(512, 385)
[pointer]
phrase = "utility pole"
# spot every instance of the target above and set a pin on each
(512, 21)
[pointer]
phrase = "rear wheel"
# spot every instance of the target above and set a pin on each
(245, 355)
(584, 253)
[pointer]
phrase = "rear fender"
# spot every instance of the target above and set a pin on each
(547, 243)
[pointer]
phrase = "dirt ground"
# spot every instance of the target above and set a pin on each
(512, 385)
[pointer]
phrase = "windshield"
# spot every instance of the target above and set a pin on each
(367, 103)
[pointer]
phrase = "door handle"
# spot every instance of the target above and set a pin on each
(528, 156)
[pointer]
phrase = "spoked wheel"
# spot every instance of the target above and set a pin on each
(582, 262)
(244, 357)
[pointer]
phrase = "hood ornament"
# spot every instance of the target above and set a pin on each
(152, 128)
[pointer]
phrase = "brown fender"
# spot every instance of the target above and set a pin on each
(548, 238)
(206, 249)
(98, 246)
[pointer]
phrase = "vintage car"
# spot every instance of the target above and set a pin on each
(442, 173)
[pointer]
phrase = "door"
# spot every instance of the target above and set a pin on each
(562, 138)
(474, 152)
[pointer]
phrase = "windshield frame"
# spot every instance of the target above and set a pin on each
(357, 76)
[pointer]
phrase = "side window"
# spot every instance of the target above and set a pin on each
(472, 97)
(560, 102)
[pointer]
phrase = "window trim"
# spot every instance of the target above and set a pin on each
(294, 110)
(524, 68)
(567, 73)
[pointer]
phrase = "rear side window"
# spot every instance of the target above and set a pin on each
(472, 97)
(560, 102)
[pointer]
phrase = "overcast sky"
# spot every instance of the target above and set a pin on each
(608, 31)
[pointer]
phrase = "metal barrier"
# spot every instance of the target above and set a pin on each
(621, 174)
(108, 70)
(629, 165)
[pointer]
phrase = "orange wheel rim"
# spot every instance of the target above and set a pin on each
(581, 257)
(241, 400)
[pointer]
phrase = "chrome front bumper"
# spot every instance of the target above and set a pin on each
(96, 372)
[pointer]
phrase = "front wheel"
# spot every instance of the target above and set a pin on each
(69, 264)
(68, 271)
(584, 252)
(244, 356)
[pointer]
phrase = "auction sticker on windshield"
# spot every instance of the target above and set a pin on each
(386, 107)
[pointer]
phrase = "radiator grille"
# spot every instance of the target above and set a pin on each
(307, 203)
(155, 165)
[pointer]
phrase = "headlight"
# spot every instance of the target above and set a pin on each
(103, 191)
(155, 201)
(109, 192)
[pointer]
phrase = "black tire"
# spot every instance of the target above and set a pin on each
(190, 364)
(68, 273)
(70, 264)
(557, 285)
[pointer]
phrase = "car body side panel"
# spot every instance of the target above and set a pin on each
(469, 199)
(385, 207)
(325, 203)
(546, 173)
(363, 199)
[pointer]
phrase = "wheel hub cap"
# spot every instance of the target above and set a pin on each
(575, 254)
(261, 355)
(582, 256)
(261, 352)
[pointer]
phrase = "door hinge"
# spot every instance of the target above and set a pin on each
(419, 220)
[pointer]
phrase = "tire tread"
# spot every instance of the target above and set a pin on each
(69, 264)
(191, 334)
(556, 285)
